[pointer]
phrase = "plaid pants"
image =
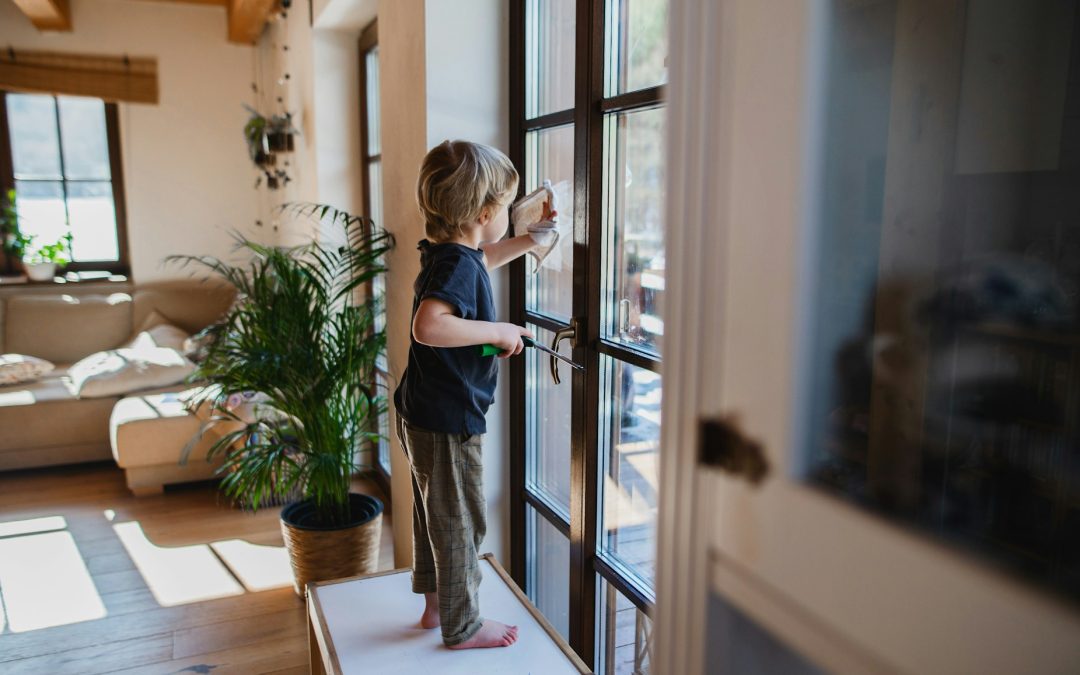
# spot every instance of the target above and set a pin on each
(448, 524)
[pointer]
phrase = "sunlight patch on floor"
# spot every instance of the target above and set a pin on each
(32, 526)
(44, 582)
(177, 575)
(259, 568)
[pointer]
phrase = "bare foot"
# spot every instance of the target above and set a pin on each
(491, 634)
(430, 619)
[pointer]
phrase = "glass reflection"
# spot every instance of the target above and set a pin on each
(630, 466)
(943, 378)
(548, 569)
(547, 428)
(634, 259)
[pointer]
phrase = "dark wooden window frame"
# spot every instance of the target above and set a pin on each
(112, 131)
(591, 106)
(369, 39)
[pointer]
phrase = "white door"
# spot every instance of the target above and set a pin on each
(874, 264)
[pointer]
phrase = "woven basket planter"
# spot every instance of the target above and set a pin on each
(321, 553)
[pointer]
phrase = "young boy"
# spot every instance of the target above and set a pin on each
(463, 192)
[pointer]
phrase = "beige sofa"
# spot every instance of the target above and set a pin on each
(42, 423)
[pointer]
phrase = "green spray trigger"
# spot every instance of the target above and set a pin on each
(489, 350)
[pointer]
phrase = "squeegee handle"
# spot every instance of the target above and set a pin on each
(490, 350)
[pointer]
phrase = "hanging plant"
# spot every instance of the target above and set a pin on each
(266, 136)
(280, 133)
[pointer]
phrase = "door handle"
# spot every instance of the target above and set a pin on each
(568, 333)
(723, 445)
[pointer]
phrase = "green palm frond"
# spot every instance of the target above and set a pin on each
(303, 335)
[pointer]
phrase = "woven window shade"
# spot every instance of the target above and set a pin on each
(111, 78)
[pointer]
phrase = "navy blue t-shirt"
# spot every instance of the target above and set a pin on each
(449, 389)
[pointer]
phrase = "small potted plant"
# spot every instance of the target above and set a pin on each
(13, 242)
(267, 136)
(255, 135)
(41, 261)
(280, 133)
(302, 344)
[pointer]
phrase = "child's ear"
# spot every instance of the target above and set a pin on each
(485, 215)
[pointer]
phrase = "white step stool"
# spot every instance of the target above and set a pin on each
(370, 624)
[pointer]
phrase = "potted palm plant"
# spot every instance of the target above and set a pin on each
(301, 342)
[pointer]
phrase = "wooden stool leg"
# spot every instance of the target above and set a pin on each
(314, 655)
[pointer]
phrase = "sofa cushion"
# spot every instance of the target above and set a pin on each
(191, 305)
(45, 414)
(154, 429)
(122, 371)
(17, 368)
(66, 328)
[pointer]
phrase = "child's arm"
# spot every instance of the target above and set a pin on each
(498, 253)
(436, 325)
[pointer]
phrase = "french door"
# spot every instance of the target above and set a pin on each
(878, 309)
(588, 114)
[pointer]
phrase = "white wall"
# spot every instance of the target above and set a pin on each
(186, 172)
(468, 98)
(444, 75)
(337, 119)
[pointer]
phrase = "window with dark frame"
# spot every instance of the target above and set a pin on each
(61, 154)
(587, 113)
(371, 176)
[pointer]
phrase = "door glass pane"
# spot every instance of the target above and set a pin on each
(547, 427)
(41, 211)
(35, 146)
(549, 154)
(549, 56)
(637, 45)
(93, 221)
(634, 228)
(624, 634)
(630, 431)
(85, 141)
(371, 65)
(548, 570)
(941, 349)
(383, 450)
(738, 644)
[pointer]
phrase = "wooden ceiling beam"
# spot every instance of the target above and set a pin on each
(53, 15)
(247, 18)
(212, 3)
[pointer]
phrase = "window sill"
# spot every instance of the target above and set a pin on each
(87, 277)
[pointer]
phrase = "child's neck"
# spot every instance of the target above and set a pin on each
(470, 238)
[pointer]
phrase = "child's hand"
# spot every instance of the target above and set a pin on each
(509, 339)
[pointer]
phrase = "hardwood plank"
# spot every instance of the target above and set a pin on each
(217, 636)
(248, 606)
(106, 657)
(284, 656)
(249, 633)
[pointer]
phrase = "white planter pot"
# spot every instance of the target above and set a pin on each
(41, 271)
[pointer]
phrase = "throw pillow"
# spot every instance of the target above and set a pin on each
(122, 371)
(18, 368)
(163, 335)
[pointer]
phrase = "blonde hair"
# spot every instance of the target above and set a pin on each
(458, 180)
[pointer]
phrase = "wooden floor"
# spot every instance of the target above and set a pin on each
(247, 632)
